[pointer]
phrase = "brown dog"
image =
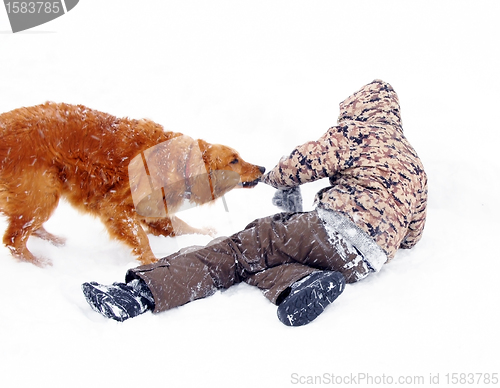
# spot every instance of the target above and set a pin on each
(53, 150)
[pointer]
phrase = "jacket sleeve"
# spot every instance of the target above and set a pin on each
(308, 162)
(416, 226)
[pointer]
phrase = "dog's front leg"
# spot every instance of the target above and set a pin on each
(173, 226)
(128, 230)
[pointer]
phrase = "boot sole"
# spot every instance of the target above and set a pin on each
(310, 300)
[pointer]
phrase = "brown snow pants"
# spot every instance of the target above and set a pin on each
(271, 253)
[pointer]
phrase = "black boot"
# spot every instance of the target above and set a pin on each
(309, 297)
(119, 301)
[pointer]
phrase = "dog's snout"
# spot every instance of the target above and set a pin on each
(262, 169)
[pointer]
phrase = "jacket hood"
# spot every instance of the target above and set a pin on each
(375, 102)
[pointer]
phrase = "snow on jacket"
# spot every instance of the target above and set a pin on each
(378, 194)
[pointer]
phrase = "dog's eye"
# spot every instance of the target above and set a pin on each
(234, 161)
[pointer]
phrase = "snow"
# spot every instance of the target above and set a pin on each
(263, 77)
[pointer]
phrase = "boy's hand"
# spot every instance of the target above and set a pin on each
(288, 200)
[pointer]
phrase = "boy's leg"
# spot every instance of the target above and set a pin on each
(190, 274)
(270, 253)
(294, 245)
(197, 272)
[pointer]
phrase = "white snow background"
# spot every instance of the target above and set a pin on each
(264, 76)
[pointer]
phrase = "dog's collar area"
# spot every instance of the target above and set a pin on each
(188, 175)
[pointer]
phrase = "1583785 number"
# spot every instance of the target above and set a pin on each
(472, 378)
(33, 7)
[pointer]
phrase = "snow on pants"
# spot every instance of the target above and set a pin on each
(271, 253)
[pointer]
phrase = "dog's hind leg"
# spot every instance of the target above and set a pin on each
(28, 203)
(16, 237)
(44, 235)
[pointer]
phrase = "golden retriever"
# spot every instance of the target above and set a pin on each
(109, 167)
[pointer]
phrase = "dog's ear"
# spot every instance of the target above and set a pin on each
(204, 146)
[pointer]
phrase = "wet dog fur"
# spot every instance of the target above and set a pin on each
(59, 150)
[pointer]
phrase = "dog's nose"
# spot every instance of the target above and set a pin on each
(262, 169)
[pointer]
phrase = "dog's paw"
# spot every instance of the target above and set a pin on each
(28, 257)
(42, 262)
(58, 241)
(212, 232)
(146, 260)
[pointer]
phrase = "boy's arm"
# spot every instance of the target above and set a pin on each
(307, 163)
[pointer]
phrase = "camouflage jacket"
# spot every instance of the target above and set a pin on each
(378, 189)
